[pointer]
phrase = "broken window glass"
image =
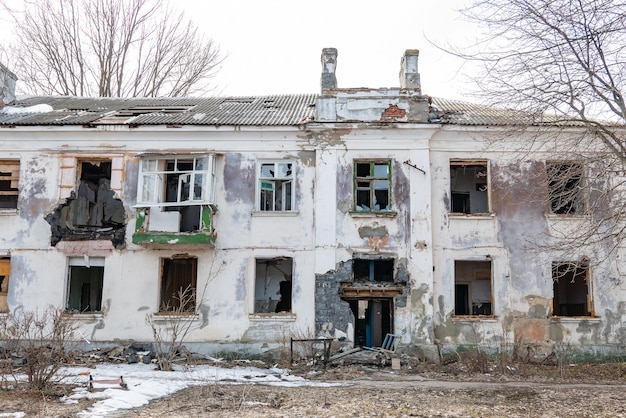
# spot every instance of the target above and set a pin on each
(5, 270)
(9, 178)
(372, 186)
(373, 270)
(85, 281)
(571, 289)
(176, 188)
(276, 186)
(565, 185)
(273, 283)
(472, 288)
(468, 187)
(178, 285)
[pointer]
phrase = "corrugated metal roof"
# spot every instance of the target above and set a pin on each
(456, 112)
(279, 110)
(276, 110)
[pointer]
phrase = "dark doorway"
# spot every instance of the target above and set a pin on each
(373, 321)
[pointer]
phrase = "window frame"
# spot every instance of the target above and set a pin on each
(14, 177)
(471, 283)
(456, 162)
(588, 304)
(159, 172)
(579, 199)
(5, 272)
(174, 310)
(371, 179)
(284, 180)
(268, 311)
(86, 262)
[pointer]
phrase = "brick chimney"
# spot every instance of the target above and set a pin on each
(409, 77)
(7, 86)
(329, 64)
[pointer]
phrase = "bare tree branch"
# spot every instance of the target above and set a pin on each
(110, 48)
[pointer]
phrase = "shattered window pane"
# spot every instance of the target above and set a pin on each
(175, 182)
(275, 186)
(372, 186)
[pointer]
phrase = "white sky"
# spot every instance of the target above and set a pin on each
(274, 46)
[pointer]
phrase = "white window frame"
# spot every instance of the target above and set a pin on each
(85, 261)
(152, 174)
(291, 179)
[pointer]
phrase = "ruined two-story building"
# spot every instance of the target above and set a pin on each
(351, 213)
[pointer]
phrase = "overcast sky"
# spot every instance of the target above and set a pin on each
(274, 46)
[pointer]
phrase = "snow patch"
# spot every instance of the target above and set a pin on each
(14, 110)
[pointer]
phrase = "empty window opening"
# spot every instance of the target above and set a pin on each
(85, 279)
(565, 184)
(178, 284)
(95, 204)
(472, 288)
(5, 270)
(468, 187)
(9, 178)
(372, 186)
(373, 270)
(273, 285)
(176, 188)
(373, 321)
(571, 290)
(276, 186)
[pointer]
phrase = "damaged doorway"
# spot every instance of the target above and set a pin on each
(373, 319)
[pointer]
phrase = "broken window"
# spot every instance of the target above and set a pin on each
(176, 189)
(5, 270)
(571, 289)
(85, 280)
(468, 187)
(273, 283)
(178, 284)
(9, 179)
(276, 186)
(565, 185)
(372, 186)
(95, 204)
(472, 288)
(373, 270)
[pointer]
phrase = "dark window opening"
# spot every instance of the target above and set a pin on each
(178, 285)
(372, 184)
(571, 290)
(472, 288)
(565, 181)
(468, 187)
(95, 205)
(85, 287)
(9, 179)
(373, 321)
(373, 270)
(273, 285)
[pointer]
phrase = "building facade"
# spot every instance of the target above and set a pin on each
(349, 214)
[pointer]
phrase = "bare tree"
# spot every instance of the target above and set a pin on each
(562, 64)
(110, 48)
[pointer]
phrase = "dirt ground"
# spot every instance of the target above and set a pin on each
(365, 390)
